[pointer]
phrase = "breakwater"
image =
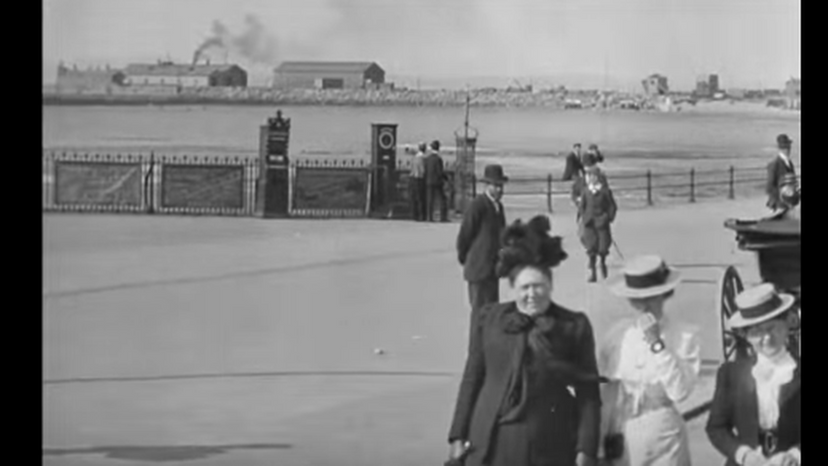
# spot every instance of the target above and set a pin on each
(116, 95)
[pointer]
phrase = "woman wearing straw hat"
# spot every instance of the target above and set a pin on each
(653, 363)
(596, 211)
(755, 415)
(529, 394)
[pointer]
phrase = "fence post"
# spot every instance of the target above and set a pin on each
(549, 193)
(731, 194)
(474, 185)
(649, 188)
(692, 185)
(150, 184)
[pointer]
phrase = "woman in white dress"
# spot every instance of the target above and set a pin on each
(653, 363)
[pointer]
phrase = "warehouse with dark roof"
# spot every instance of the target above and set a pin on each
(328, 75)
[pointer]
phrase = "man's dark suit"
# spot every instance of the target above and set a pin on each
(777, 169)
(478, 243)
(567, 423)
(434, 180)
(734, 414)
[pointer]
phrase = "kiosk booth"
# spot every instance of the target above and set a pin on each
(273, 196)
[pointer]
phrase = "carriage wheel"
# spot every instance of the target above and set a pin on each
(730, 285)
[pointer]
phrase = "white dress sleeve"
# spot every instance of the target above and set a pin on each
(678, 365)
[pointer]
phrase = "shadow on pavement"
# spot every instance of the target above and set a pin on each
(161, 453)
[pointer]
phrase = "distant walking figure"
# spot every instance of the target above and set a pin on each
(574, 165)
(780, 166)
(596, 211)
(434, 180)
(416, 186)
(478, 241)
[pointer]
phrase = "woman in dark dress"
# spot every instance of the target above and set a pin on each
(529, 394)
(755, 416)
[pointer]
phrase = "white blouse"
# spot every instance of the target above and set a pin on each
(647, 380)
(770, 375)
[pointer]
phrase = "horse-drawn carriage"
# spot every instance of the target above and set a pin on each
(776, 241)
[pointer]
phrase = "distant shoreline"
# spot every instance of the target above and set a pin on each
(266, 97)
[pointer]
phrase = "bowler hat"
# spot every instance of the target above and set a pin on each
(494, 174)
(644, 277)
(759, 304)
(435, 145)
(783, 141)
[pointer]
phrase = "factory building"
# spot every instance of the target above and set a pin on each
(170, 74)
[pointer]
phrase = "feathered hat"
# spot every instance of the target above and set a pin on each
(529, 244)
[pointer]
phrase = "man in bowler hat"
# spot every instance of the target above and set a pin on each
(780, 166)
(434, 180)
(478, 241)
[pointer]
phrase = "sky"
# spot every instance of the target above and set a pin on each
(577, 43)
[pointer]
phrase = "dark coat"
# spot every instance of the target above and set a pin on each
(561, 424)
(434, 175)
(777, 169)
(478, 241)
(734, 414)
(595, 214)
(574, 167)
(595, 210)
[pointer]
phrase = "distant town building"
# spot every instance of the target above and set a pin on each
(88, 80)
(328, 75)
(792, 93)
(655, 84)
(707, 85)
(170, 74)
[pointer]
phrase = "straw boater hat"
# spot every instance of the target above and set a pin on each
(644, 277)
(759, 304)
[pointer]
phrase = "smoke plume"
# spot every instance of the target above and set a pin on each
(254, 43)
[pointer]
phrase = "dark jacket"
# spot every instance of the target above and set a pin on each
(734, 414)
(777, 169)
(574, 167)
(563, 423)
(434, 175)
(478, 241)
(596, 210)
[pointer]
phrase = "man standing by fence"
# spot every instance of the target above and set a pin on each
(478, 241)
(435, 179)
(416, 185)
(780, 166)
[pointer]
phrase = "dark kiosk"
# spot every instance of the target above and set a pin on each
(273, 189)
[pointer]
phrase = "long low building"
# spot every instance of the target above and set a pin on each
(328, 75)
(170, 74)
(90, 79)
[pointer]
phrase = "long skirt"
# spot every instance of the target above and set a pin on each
(597, 241)
(512, 446)
(657, 438)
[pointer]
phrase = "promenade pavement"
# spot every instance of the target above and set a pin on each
(236, 341)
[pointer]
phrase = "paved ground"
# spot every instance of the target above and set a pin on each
(224, 341)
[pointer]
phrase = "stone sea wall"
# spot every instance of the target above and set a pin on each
(268, 96)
